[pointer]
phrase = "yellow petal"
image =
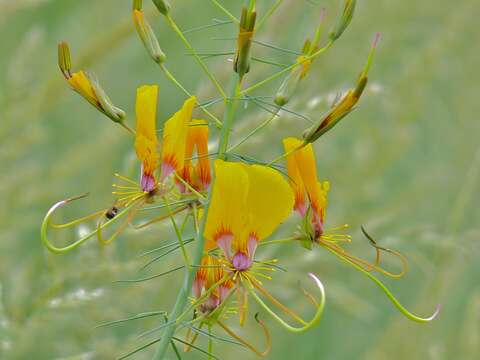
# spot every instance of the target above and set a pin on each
(175, 136)
(146, 141)
(295, 178)
(198, 136)
(81, 84)
(270, 200)
(307, 167)
(226, 214)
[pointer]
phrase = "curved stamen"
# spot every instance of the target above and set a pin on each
(160, 218)
(266, 333)
(308, 325)
(122, 227)
(79, 220)
(387, 292)
(187, 347)
(367, 266)
(277, 303)
(65, 249)
(379, 248)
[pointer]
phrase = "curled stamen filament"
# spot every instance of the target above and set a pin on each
(122, 227)
(308, 325)
(387, 292)
(365, 264)
(65, 249)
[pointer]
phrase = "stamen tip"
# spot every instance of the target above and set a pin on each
(376, 40)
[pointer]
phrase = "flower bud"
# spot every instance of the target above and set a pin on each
(87, 85)
(64, 61)
(304, 62)
(345, 19)
(343, 107)
(244, 42)
(290, 84)
(163, 6)
(148, 37)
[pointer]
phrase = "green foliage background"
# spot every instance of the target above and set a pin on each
(406, 164)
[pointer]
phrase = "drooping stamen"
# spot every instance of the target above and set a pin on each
(266, 333)
(378, 250)
(387, 292)
(46, 224)
(308, 325)
(122, 227)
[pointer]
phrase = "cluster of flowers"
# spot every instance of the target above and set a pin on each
(239, 204)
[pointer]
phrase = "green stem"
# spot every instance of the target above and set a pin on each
(225, 11)
(257, 129)
(278, 241)
(184, 292)
(287, 69)
(178, 232)
(231, 107)
(179, 32)
(268, 14)
(172, 78)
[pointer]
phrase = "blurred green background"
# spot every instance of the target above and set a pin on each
(406, 164)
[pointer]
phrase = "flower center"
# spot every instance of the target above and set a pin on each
(241, 261)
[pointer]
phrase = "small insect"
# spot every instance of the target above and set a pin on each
(111, 213)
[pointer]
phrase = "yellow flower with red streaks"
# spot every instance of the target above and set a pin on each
(175, 137)
(208, 275)
(146, 142)
(198, 175)
(248, 203)
(302, 170)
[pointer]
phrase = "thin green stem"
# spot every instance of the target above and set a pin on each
(288, 153)
(268, 14)
(199, 60)
(278, 241)
(257, 129)
(286, 70)
(178, 233)
(184, 292)
(210, 342)
(231, 107)
(172, 78)
(225, 11)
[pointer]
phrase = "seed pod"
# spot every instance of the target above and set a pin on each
(244, 42)
(162, 5)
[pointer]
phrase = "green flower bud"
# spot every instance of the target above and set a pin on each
(162, 5)
(344, 21)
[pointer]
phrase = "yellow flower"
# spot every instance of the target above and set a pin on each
(174, 139)
(199, 176)
(296, 181)
(248, 203)
(302, 170)
(146, 142)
